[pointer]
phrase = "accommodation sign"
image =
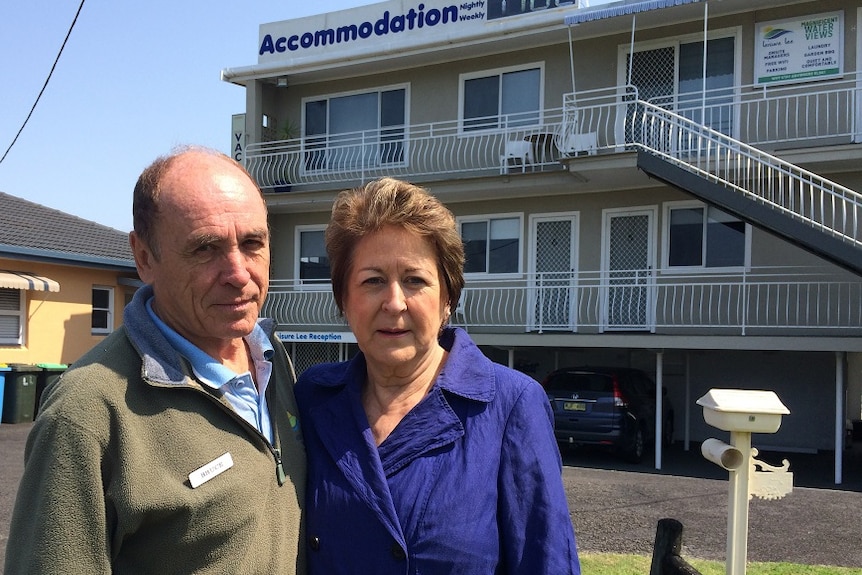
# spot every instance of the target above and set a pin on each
(799, 49)
(368, 23)
(390, 26)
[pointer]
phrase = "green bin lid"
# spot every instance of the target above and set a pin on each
(52, 365)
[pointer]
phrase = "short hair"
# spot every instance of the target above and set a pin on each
(390, 202)
(146, 196)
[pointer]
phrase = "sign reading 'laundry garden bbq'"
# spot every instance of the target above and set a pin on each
(799, 49)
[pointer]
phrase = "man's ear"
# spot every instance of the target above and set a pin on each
(143, 256)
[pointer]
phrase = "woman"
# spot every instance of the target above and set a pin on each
(424, 456)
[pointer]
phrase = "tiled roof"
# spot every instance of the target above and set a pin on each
(31, 226)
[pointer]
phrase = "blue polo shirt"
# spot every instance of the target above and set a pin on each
(237, 388)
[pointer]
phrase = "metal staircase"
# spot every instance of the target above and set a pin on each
(808, 210)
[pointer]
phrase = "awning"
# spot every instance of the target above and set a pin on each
(21, 280)
(581, 16)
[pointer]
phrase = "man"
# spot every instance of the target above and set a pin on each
(173, 446)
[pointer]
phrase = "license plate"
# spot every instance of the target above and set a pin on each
(574, 406)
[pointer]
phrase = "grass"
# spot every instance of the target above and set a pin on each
(617, 564)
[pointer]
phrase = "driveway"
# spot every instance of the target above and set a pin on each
(615, 506)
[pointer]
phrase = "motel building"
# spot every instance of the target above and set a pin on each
(671, 185)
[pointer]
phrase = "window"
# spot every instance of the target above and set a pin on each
(492, 245)
(103, 315)
(355, 130)
(312, 261)
(503, 99)
(705, 237)
(11, 316)
(672, 76)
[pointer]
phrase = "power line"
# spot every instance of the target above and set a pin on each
(45, 85)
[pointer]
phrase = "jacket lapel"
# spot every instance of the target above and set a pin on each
(351, 446)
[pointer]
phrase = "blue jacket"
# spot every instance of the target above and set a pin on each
(469, 482)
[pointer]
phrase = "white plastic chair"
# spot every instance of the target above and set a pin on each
(516, 153)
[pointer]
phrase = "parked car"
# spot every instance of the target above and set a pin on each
(607, 406)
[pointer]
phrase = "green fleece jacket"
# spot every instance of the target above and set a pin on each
(106, 485)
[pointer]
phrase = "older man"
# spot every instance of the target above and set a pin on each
(173, 445)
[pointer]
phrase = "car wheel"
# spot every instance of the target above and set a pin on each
(635, 451)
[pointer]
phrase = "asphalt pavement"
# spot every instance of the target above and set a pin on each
(616, 506)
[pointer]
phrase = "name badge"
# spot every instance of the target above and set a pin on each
(206, 472)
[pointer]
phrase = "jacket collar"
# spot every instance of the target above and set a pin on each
(161, 363)
(466, 373)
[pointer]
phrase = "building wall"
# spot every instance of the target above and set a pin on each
(58, 323)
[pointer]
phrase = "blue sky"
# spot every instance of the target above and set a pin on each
(134, 80)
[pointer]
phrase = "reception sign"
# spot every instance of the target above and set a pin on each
(799, 49)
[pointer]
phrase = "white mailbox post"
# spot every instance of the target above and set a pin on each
(743, 412)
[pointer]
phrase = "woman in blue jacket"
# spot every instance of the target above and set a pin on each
(424, 456)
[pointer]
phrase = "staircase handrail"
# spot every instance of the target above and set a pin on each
(716, 156)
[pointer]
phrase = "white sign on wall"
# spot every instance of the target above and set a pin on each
(237, 137)
(316, 336)
(394, 25)
(799, 49)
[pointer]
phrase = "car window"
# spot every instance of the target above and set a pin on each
(568, 382)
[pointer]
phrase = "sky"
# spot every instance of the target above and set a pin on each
(134, 80)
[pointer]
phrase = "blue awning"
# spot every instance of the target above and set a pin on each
(626, 9)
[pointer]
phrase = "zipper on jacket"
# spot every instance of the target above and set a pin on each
(280, 475)
(279, 467)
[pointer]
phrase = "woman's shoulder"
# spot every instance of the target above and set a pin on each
(326, 374)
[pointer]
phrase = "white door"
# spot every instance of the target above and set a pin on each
(552, 301)
(628, 254)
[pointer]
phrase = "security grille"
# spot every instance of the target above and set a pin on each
(304, 355)
(628, 271)
(554, 273)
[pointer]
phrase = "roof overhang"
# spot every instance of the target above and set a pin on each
(615, 10)
(25, 281)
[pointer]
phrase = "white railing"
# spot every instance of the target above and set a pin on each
(618, 119)
(761, 115)
(591, 121)
(805, 196)
(520, 143)
(789, 301)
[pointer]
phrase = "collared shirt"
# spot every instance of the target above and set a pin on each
(238, 389)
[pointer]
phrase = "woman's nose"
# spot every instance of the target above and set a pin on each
(394, 302)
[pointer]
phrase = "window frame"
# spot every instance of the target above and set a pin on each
(307, 285)
(488, 218)
(465, 130)
(306, 139)
(21, 314)
(109, 310)
(676, 98)
(666, 268)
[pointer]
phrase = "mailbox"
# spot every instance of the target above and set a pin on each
(743, 410)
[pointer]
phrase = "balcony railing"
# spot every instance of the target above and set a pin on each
(483, 146)
(786, 301)
(589, 122)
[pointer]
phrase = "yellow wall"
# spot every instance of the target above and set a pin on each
(58, 324)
